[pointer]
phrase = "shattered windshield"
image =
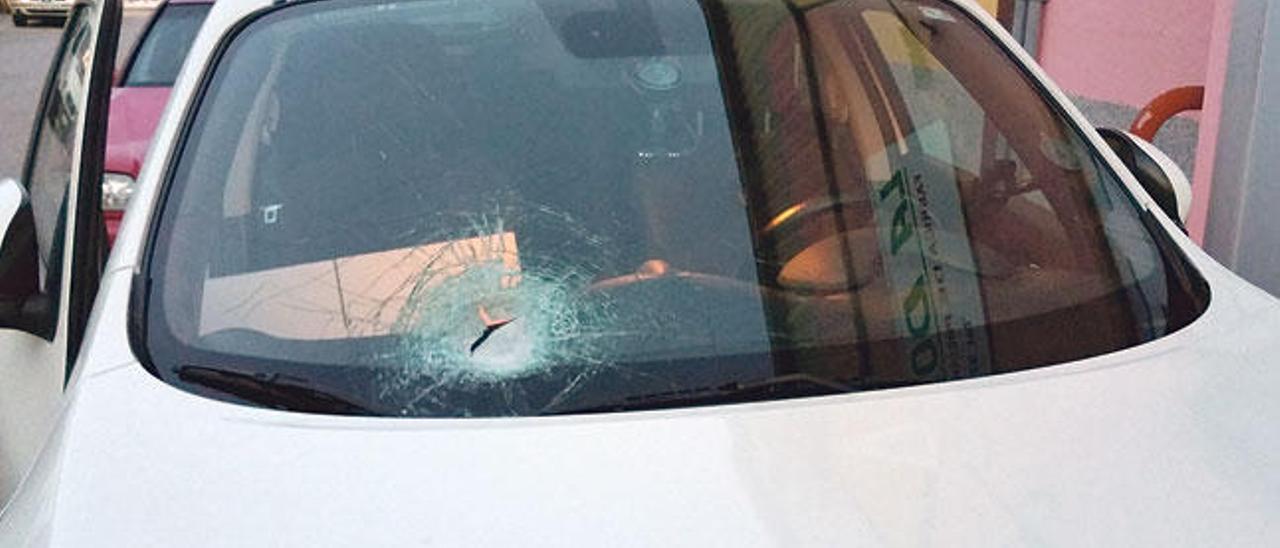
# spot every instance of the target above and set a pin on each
(523, 207)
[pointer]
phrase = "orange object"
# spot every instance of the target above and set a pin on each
(1166, 106)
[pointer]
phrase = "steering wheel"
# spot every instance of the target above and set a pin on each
(818, 255)
(818, 242)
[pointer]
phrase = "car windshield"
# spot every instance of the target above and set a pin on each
(164, 46)
(523, 207)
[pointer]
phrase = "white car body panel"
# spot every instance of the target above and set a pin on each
(32, 369)
(1169, 443)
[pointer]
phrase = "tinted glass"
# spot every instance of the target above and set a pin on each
(160, 55)
(49, 169)
(514, 207)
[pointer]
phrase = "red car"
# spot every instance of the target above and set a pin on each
(140, 93)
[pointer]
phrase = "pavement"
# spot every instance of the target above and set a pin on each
(25, 54)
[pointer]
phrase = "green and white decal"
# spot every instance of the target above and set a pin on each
(930, 268)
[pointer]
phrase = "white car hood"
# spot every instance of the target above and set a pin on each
(1170, 443)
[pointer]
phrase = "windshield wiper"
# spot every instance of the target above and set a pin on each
(798, 385)
(271, 390)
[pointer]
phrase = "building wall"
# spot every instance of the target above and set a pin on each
(1242, 229)
(1126, 52)
(1114, 56)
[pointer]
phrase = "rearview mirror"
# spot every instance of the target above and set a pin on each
(22, 306)
(1155, 171)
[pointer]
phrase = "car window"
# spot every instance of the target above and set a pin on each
(532, 207)
(52, 157)
(164, 47)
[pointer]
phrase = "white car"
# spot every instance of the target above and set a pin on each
(653, 272)
(26, 10)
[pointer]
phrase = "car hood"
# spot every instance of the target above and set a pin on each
(135, 111)
(1169, 443)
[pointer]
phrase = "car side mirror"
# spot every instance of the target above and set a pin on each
(22, 306)
(1155, 171)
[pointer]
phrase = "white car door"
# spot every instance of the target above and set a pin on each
(52, 242)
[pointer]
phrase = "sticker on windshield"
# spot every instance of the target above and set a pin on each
(932, 274)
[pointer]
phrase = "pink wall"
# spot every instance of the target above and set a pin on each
(1126, 51)
(1219, 55)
